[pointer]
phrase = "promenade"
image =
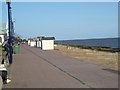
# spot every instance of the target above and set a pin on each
(34, 68)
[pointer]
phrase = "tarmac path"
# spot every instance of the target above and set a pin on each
(34, 68)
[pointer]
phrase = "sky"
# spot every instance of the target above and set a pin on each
(0, 16)
(64, 20)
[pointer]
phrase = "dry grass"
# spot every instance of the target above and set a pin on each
(107, 59)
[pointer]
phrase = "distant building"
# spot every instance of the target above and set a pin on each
(6, 28)
(1, 38)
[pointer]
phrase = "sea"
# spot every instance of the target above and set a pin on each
(101, 42)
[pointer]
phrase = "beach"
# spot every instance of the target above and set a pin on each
(102, 58)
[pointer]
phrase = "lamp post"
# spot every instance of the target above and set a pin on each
(8, 2)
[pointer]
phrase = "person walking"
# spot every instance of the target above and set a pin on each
(5, 61)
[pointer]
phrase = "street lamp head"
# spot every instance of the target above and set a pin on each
(8, 1)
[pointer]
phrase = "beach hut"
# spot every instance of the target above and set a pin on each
(32, 43)
(39, 41)
(39, 44)
(29, 40)
(47, 43)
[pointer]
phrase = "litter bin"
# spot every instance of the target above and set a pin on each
(16, 49)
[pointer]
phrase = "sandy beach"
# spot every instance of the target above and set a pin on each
(106, 59)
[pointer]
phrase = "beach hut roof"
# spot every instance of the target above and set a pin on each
(48, 38)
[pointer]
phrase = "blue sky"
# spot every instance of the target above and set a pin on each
(0, 16)
(79, 20)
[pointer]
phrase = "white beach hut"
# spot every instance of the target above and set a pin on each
(39, 41)
(32, 43)
(47, 43)
(29, 40)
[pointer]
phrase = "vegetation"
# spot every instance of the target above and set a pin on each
(103, 58)
(106, 49)
(24, 40)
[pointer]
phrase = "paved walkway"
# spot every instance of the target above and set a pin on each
(34, 68)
